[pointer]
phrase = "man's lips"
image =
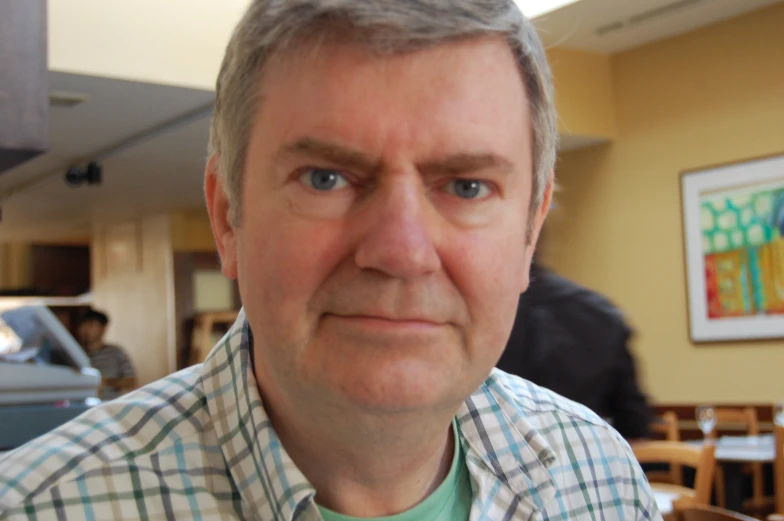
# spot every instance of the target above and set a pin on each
(387, 323)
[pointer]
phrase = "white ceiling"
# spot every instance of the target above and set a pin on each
(164, 173)
(157, 175)
(576, 25)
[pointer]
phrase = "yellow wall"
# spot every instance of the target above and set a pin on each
(191, 231)
(712, 96)
(584, 93)
(133, 281)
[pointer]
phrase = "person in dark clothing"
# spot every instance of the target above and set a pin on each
(575, 342)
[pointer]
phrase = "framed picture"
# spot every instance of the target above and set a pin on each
(733, 220)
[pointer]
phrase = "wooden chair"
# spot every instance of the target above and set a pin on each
(702, 459)
(708, 513)
(123, 385)
(746, 418)
(666, 428)
(202, 331)
(778, 474)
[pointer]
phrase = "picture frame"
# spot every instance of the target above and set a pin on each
(733, 233)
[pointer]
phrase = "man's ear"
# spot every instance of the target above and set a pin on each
(535, 227)
(219, 208)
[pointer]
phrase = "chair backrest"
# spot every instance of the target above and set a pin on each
(202, 330)
(708, 513)
(746, 417)
(123, 385)
(666, 426)
(778, 469)
(702, 459)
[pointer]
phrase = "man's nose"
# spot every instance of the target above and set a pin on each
(398, 238)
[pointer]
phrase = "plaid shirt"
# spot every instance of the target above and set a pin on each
(199, 445)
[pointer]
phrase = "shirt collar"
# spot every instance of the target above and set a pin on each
(503, 444)
(497, 438)
(268, 481)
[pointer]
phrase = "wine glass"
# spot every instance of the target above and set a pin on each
(778, 413)
(706, 419)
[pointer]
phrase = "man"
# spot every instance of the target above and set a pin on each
(379, 174)
(573, 341)
(110, 360)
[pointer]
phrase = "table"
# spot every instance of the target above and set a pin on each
(664, 499)
(743, 449)
(731, 453)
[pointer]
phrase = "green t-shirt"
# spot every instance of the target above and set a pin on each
(451, 501)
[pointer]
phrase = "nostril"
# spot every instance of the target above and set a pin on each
(398, 230)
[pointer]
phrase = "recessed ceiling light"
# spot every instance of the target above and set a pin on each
(61, 98)
(534, 8)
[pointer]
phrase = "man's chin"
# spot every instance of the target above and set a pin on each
(386, 394)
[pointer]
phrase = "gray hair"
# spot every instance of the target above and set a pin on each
(384, 26)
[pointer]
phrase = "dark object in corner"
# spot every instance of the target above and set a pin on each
(92, 175)
(24, 85)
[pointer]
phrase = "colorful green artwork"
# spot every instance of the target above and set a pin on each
(743, 249)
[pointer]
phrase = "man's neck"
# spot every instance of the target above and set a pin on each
(92, 347)
(368, 466)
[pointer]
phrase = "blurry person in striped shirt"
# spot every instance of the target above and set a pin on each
(111, 360)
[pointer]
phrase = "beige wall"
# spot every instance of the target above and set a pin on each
(15, 265)
(191, 231)
(712, 96)
(171, 42)
(584, 93)
(133, 281)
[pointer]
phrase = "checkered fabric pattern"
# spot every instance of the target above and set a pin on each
(199, 445)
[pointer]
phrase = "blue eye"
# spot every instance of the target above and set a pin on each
(323, 179)
(468, 188)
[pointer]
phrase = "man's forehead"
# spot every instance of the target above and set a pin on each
(442, 118)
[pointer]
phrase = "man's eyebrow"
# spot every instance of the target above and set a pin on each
(457, 164)
(331, 152)
(463, 164)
